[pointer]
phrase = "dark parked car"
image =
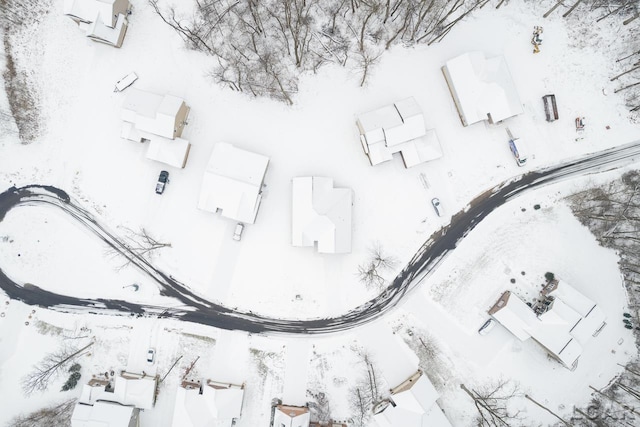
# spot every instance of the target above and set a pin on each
(163, 179)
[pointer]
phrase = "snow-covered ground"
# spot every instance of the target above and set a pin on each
(81, 151)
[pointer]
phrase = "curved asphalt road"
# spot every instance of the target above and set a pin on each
(194, 308)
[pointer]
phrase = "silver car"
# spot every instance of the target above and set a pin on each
(436, 206)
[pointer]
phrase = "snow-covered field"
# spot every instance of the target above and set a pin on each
(81, 151)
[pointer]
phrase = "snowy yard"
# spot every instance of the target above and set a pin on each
(80, 151)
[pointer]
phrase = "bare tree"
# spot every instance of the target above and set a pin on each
(365, 392)
(492, 404)
(140, 243)
(51, 416)
(49, 368)
(370, 273)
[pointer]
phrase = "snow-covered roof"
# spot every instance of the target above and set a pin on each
(211, 404)
(413, 405)
(233, 182)
(102, 414)
(554, 328)
(321, 214)
(135, 390)
(98, 31)
(128, 389)
(570, 296)
(398, 128)
(482, 88)
(173, 152)
(105, 11)
(162, 115)
(291, 416)
(514, 315)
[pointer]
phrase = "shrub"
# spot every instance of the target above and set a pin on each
(72, 382)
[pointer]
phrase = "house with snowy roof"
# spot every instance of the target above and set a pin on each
(232, 183)
(207, 403)
(482, 88)
(562, 322)
(104, 21)
(104, 414)
(291, 416)
(321, 215)
(126, 388)
(159, 120)
(412, 403)
(398, 128)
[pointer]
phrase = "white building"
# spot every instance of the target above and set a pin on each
(321, 214)
(482, 88)
(411, 404)
(398, 128)
(291, 416)
(207, 404)
(160, 120)
(128, 388)
(103, 21)
(232, 183)
(104, 414)
(562, 322)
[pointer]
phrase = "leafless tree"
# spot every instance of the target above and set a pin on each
(49, 368)
(140, 242)
(492, 404)
(370, 273)
(365, 392)
(51, 416)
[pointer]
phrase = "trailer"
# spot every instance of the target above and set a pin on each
(125, 82)
(550, 107)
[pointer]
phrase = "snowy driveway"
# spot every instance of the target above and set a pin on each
(194, 308)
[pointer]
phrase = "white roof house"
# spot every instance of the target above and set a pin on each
(232, 183)
(291, 416)
(322, 214)
(104, 414)
(562, 323)
(412, 404)
(102, 20)
(137, 390)
(159, 119)
(207, 404)
(398, 128)
(161, 115)
(482, 88)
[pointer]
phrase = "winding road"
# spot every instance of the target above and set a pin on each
(192, 307)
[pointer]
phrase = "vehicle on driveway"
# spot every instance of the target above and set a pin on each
(151, 355)
(487, 327)
(163, 179)
(435, 202)
(237, 234)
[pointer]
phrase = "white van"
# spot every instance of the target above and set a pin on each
(519, 149)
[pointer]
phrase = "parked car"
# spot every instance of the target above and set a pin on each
(487, 327)
(151, 355)
(437, 206)
(237, 234)
(163, 179)
(519, 150)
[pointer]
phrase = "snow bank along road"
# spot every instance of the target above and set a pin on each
(194, 308)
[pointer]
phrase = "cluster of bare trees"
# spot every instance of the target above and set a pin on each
(16, 17)
(492, 403)
(50, 368)
(261, 47)
(51, 416)
(624, 14)
(612, 213)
